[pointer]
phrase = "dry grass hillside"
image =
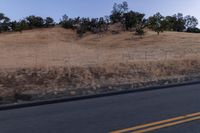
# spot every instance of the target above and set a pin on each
(56, 60)
(60, 47)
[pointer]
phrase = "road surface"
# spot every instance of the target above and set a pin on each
(172, 110)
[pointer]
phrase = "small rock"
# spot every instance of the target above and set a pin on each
(90, 92)
(98, 86)
(166, 83)
(110, 87)
(55, 93)
(94, 88)
(72, 92)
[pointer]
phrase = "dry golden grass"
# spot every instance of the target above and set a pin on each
(55, 59)
(60, 47)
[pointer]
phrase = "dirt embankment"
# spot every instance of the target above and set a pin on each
(19, 84)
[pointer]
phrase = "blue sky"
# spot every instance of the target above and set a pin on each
(17, 9)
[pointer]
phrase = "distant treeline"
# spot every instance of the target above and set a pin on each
(130, 20)
(30, 22)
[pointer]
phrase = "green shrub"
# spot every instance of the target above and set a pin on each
(193, 30)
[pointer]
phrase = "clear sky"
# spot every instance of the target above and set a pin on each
(17, 9)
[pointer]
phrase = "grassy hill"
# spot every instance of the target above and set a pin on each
(55, 60)
(58, 46)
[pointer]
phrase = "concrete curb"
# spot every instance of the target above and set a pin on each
(76, 98)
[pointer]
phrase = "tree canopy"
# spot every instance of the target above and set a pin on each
(120, 13)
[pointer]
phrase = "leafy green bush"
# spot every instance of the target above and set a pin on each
(155, 23)
(4, 23)
(139, 31)
(49, 22)
(193, 30)
(35, 21)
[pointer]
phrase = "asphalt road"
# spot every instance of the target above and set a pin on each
(175, 110)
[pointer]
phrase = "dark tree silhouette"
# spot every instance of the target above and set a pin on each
(155, 23)
(49, 22)
(190, 21)
(4, 23)
(118, 12)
